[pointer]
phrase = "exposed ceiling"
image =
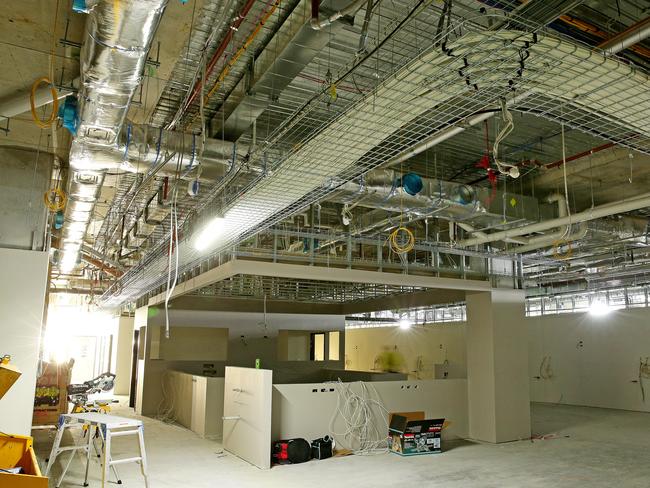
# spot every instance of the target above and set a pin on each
(289, 114)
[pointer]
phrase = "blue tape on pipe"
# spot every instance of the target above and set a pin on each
(59, 220)
(68, 113)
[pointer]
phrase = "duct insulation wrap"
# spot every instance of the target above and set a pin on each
(115, 48)
(117, 42)
(482, 207)
(139, 148)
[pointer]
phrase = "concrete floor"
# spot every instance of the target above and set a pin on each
(584, 447)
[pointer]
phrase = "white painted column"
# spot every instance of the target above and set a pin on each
(22, 302)
(497, 366)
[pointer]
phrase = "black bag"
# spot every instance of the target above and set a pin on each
(322, 448)
(291, 451)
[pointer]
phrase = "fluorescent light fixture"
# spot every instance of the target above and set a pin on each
(405, 323)
(599, 308)
(209, 234)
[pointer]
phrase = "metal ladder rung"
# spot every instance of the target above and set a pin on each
(125, 460)
(123, 433)
(70, 448)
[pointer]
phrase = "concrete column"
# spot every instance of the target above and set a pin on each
(497, 366)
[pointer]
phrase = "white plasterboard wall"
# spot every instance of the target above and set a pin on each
(123, 356)
(249, 340)
(247, 414)
(600, 372)
(207, 344)
(433, 343)
(299, 411)
(195, 402)
(22, 301)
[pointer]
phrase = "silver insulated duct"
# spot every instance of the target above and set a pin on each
(113, 55)
(483, 207)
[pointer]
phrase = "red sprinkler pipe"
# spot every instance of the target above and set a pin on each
(580, 155)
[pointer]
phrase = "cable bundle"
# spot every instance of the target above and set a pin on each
(361, 412)
(509, 125)
(644, 373)
(545, 370)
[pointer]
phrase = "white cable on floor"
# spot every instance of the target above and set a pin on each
(361, 413)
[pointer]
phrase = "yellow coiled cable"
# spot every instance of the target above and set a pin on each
(43, 124)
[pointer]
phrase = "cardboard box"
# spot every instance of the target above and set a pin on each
(51, 396)
(410, 434)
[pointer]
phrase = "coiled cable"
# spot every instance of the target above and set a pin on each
(55, 199)
(44, 123)
(397, 243)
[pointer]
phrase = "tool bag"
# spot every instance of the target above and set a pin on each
(291, 451)
(322, 448)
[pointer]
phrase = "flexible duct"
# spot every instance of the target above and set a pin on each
(117, 41)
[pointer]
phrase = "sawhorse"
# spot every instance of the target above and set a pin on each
(109, 426)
